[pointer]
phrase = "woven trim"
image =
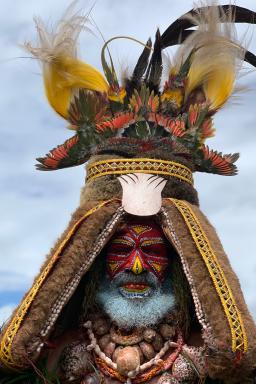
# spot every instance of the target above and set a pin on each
(233, 315)
(139, 165)
(9, 334)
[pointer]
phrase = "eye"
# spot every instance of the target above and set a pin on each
(150, 250)
(156, 249)
(120, 249)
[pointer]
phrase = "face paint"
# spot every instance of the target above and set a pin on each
(138, 248)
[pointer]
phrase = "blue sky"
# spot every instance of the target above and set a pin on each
(35, 206)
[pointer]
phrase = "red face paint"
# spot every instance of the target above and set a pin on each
(139, 247)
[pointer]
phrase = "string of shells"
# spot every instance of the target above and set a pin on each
(129, 349)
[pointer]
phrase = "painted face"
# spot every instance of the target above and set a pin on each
(137, 248)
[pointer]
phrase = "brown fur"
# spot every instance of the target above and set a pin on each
(220, 361)
(221, 364)
(68, 264)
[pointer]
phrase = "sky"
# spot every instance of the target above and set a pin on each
(35, 206)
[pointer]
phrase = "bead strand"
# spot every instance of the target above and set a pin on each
(94, 346)
(198, 308)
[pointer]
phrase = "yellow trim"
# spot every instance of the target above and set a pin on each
(233, 315)
(9, 334)
(139, 165)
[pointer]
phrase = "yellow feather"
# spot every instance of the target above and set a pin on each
(215, 55)
(219, 87)
(58, 97)
(216, 77)
(63, 72)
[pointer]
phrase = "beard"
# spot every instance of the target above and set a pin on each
(135, 310)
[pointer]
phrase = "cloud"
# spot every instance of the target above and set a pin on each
(5, 312)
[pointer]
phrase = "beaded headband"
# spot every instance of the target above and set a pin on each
(139, 165)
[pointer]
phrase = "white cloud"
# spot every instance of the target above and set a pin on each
(5, 312)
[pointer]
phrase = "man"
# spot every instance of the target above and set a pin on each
(138, 316)
(138, 289)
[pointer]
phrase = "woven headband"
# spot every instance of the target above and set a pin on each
(139, 165)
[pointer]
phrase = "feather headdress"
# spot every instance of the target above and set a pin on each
(176, 119)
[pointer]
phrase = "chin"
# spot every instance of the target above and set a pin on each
(136, 309)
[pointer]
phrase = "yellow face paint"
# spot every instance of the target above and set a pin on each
(137, 267)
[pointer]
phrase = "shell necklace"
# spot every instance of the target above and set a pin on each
(127, 365)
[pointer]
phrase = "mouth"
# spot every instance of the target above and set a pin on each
(135, 290)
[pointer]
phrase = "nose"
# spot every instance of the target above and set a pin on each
(136, 266)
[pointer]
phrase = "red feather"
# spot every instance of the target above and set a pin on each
(222, 164)
(175, 126)
(121, 120)
(207, 129)
(56, 155)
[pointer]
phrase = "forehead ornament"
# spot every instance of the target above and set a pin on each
(142, 193)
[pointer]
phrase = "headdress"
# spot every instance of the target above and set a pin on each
(147, 112)
(148, 133)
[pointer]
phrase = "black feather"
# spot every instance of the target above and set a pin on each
(250, 58)
(139, 70)
(172, 34)
(178, 31)
(142, 63)
(155, 67)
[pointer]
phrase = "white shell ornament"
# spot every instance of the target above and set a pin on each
(142, 193)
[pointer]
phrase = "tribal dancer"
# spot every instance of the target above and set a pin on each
(138, 289)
